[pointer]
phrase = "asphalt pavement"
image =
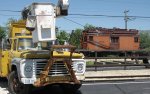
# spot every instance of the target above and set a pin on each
(131, 87)
(112, 87)
(91, 86)
(127, 87)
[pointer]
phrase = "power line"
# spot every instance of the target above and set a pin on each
(113, 16)
(90, 16)
(73, 21)
(8, 15)
(10, 10)
(70, 17)
(95, 15)
(127, 2)
(79, 14)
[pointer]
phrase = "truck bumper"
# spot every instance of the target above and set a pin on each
(51, 79)
(28, 80)
(81, 78)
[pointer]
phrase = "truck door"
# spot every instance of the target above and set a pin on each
(4, 49)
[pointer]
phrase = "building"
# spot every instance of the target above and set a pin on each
(99, 39)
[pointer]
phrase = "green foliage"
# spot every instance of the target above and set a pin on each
(146, 50)
(62, 36)
(89, 26)
(144, 40)
(8, 24)
(75, 37)
(2, 33)
(90, 63)
(10, 20)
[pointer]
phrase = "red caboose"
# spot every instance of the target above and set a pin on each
(100, 39)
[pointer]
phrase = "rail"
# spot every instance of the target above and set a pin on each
(130, 76)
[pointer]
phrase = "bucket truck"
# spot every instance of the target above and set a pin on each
(30, 58)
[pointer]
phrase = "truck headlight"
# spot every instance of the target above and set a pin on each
(79, 66)
(28, 68)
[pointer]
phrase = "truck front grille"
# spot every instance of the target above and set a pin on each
(58, 68)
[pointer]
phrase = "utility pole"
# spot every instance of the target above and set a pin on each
(126, 18)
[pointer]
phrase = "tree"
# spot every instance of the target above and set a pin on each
(89, 26)
(2, 32)
(62, 36)
(144, 40)
(75, 37)
(10, 20)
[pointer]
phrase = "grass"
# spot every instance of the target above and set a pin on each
(89, 63)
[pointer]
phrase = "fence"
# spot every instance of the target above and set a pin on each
(124, 64)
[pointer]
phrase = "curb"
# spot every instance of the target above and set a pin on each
(95, 80)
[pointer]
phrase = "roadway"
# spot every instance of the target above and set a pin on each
(123, 87)
(131, 87)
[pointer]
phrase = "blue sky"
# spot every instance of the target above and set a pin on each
(101, 7)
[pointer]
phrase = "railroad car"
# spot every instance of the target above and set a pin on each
(100, 39)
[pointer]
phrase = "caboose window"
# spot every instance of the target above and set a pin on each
(85, 38)
(114, 39)
(136, 39)
(90, 38)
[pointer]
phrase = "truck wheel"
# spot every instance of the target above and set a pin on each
(70, 88)
(15, 86)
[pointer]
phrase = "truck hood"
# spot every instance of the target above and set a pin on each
(44, 54)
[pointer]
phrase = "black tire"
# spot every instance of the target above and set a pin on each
(70, 88)
(15, 86)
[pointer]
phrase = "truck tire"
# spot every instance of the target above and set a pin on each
(70, 88)
(15, 86)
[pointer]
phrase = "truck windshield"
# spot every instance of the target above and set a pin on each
(25, 44)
